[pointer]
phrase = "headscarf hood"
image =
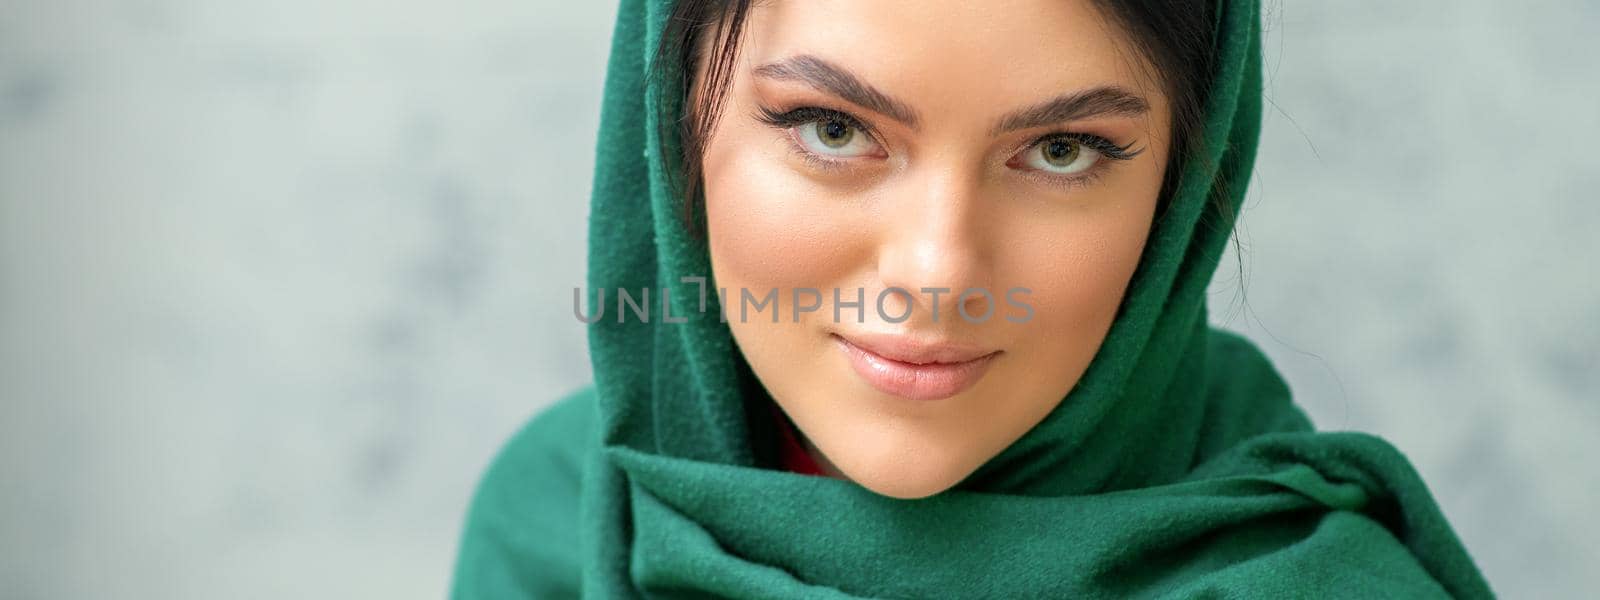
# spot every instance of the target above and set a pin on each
(1179, 446)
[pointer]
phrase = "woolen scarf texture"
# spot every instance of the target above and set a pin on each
(1177, 466)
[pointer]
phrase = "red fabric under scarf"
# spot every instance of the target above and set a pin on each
(793, 453)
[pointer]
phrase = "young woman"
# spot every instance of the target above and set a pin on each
(907, 300)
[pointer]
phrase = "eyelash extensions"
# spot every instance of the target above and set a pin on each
(1104, 148)
(810, 114)
(1099, 144)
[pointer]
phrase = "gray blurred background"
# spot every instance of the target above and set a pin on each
(276, 279)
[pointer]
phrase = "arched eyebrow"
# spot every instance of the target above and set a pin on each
(833, 79)
(838, 81)
(1074, 106)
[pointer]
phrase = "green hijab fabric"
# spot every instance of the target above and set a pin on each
(1177, 466)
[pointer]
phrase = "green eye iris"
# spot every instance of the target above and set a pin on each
(1061, 153)
(834, 134)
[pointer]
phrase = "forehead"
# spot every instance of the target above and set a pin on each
(954, 56)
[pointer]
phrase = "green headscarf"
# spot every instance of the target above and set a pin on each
(1178, 465)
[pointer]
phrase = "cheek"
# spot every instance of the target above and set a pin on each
(1079, 261)
(1079, 280)
(767, 228)
(1077, 272)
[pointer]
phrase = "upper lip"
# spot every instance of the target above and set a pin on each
(917, 350)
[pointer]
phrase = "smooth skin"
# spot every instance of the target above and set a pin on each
(941, 173)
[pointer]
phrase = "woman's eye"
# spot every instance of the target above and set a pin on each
(1061, 155)
(834, 137)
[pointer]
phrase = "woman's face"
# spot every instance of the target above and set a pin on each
(928, 148)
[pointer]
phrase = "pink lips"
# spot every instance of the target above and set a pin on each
(900, 366)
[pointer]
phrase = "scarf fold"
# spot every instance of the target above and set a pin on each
(1177, 465)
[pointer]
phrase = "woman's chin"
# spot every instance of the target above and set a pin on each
(903, 490)
(906, 473)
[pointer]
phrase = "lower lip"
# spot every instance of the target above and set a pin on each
(934, 381)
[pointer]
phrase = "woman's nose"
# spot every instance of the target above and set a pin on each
(934, 238)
